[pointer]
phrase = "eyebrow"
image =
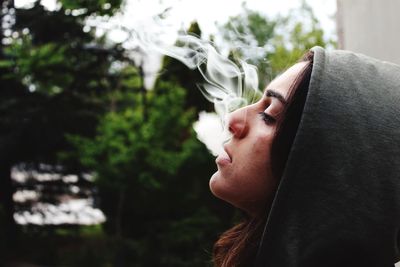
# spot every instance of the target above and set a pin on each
(272, 93)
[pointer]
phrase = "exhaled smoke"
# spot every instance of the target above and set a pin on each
(226, 84)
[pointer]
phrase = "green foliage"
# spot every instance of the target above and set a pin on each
(153, 174)
(176, 72)
(249, 28)
(87, 7)
(53, 78)
(40, 66)
(45, 26)
(130, 146)
(249, 34)
(304, 34)
(281, 41)
(51, 53)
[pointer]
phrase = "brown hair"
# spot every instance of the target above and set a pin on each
(237, 247)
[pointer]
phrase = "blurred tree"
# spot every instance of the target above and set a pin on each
(148, 169)
(304, 33)
(152, 172)
(52, 78)
(92, 7)
(281, 41)
(248, 36)
(8, 231)
(175, 71)
(135, 151)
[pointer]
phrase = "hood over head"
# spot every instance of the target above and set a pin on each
(338, 201)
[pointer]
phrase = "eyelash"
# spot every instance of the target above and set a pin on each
(267, 118)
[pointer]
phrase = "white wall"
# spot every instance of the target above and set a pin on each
(371, 27)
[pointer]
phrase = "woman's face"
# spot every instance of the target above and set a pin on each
(244, 177)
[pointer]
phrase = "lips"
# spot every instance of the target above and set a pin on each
(223, 158)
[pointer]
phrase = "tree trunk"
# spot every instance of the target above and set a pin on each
(6, 156)
(6, 199)
(119, 260)
(118, 217)
(143, 91)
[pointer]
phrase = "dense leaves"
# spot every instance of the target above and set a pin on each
(273, 44)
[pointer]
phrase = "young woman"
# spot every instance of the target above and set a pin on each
(315, 166)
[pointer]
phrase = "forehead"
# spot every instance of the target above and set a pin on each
(282, 83)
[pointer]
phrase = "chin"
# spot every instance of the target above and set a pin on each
(219, 188)
(213, 183)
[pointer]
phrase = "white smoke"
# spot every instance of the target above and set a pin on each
(226, 84)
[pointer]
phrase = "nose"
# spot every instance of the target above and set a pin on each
(237, 122)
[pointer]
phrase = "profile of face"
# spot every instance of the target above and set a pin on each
(244, 176)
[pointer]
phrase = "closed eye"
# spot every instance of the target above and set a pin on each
(268, 119)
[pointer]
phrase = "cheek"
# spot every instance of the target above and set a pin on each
(261, 148)
(264, 136)
(254, 178)
(259, 168)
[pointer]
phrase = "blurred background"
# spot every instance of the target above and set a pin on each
(100, 158)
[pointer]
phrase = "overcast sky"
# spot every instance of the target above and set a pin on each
(208, 12)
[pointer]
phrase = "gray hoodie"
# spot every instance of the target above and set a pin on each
(338, 202)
